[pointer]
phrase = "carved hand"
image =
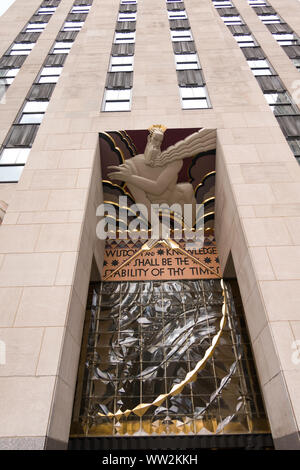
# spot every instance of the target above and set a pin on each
(122, 173)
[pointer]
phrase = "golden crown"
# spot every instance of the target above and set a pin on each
(160, 127)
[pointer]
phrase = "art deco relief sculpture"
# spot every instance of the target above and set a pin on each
(152, 176)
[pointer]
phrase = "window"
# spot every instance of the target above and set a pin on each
(286, 39)
(35, 27)
(21, 48)
(194, 97)
(127, 16)
(73, 25)
(177, 15)
(10, 174)
(260, 67)
(268, 19)
(187, 61)
(231, 20)
(245, 40)
(185, 35)
(7, 76)
(117, 100)
(81, 9)
(257, 3)
(296, 62)
(222, 4)
(33, 112)
(124, 37)
(62, 47)
(121, 64)
(14, 156)
(50, 74)
(46, 11)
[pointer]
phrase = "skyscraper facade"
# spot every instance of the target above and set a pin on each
(97, 343)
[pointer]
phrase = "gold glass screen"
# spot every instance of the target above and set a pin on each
(141, 338)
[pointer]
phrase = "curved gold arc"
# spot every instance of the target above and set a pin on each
(115, 185)
(191, 376)
(125, 136)
(115, 145)
(203, 179)
(131, 141)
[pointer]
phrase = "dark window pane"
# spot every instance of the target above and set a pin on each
(267, 10)
(253, 53)
(55, 59)
(239, 29)
(119, 80)
(126, 26)
(184, 47)
(290, 125)
(21, 135)
(279, 28)
(270, 83)
(292, 51)
(42, 91)
(190, 78)
(179, 24)
(12, 61)
(67, 36)
(27, 37)
(122, 49)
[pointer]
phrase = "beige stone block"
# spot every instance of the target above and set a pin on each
(29, 201)
(10, 218)
(287, 192)
(29, 269)
(274, 153)
(279, 408)
(63, 141)
(266, 232)
(66, 269)
(26, 397)
(54, 179)
(240, 154)
(18, 238)
(76, 316)
(295, 325)
(45, 217)
(43, 306)
(43, 159)
(293, 225)
(84, 178)
(76, 216)
(285, 261)
(261, 263)
(76, 159)
(253, 194)
(9, 301)
(49, 358)
(263, 173)
(67, 199)
(277, 210)
(58, 237)
(22, 350)
(292, 378)
(246, 211)
(69, 360)
(60, 419)
(284, 342)
(245, 275)
(282, 299)
(266, 356)
(255, 312)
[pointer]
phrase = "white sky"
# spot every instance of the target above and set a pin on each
(4, 5)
